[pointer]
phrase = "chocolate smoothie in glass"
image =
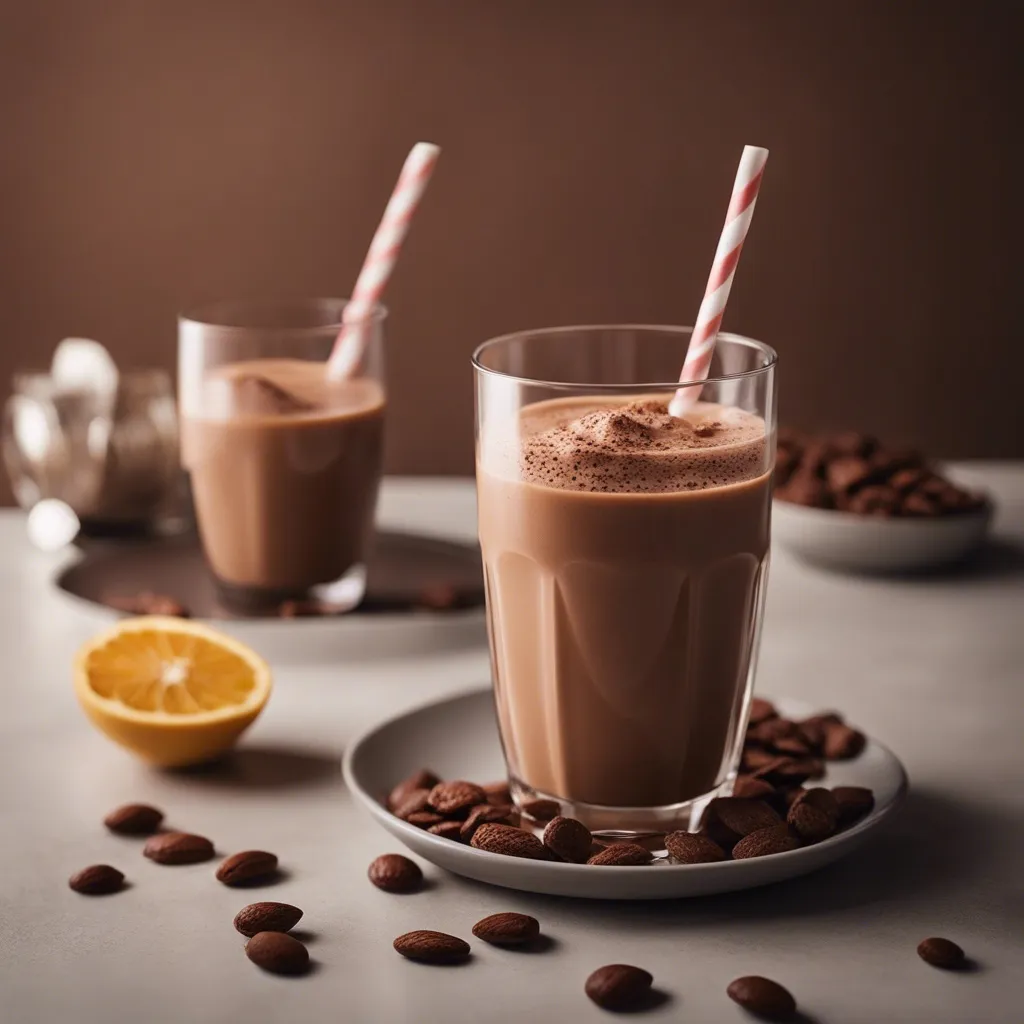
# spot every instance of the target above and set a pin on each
(625, 556)
(285, 462)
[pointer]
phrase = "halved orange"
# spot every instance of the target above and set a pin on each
(172, 691)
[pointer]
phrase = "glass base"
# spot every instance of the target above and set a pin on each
(610, 824)
(340, 595)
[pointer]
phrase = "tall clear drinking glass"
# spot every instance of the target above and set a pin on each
(625, 559)
(285, 462)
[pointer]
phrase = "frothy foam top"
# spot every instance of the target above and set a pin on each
(590, 445)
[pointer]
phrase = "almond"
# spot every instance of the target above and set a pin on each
(247, 868)
(424, 819)
(278, 953)
(820, 798)
(431, 947)
(941, 953)
(497, 792)
(178, 848)
(767, 734)
(753, 789)
(415, 800)
(448, 798)
(134, 820)
(755, 758)
(423, 779)
(810, 824)
(763, 997)
(691, 848)
(621, 855)
(843, 743)
(761, 710)
(790, 796)
(853, 802)
(728, 819)
(394, 873)
(814, 815)
(619, 987)
(569, 840)
(507, 929)
(512, 842)
(447, 830)
(812, 730)
(541, 810)
(794, 746)
(97, 880)
(267, 917)
(481, 814)
(782, 772)
(765, 842)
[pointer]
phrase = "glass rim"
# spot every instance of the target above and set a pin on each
(771, 355)
(201, 314)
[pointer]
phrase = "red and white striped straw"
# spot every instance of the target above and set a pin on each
(730, 245)
(380, 259)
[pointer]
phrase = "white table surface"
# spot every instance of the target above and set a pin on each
(933, 667)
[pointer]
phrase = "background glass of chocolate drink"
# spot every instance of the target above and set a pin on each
(285, 462)
(625, 560)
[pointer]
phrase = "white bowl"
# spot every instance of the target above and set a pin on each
(457, 737)
(843, 540)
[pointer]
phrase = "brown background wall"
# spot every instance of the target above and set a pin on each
(157, 152)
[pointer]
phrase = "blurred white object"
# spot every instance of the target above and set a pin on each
(866, 544)
(52, 524)
(83, 364)
(83, 371)
(103, 443)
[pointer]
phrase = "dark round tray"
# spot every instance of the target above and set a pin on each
(406, 573)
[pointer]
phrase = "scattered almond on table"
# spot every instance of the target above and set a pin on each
(763, 997)
(97, 880)
(430, 947)
(394, 873)
(250, 867)
(134, 820)
(941, 953)
(772, 812)
(507, 929)
(267, 917)
(278, 953)
(619, 987)
(178, 848)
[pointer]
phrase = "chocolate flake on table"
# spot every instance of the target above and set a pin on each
(854, 472)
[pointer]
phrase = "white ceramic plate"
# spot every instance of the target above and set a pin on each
(842, 540)
(458, 738)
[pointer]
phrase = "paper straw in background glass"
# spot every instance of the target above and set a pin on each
(730, 245)
(380, 260)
